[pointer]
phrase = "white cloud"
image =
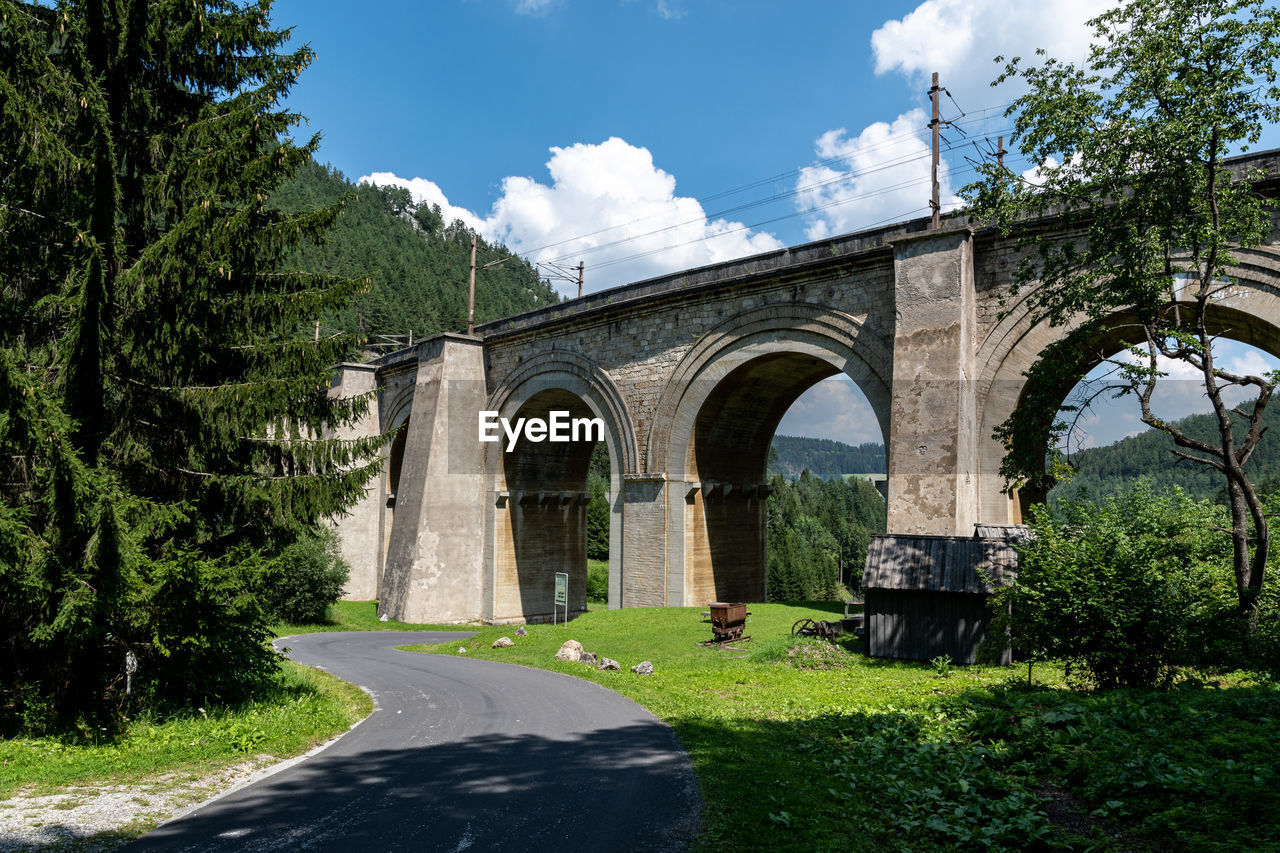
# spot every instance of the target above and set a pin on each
(535, 7)
(635, 225)
(834, 408)
(1178, 394)
(428, 192)
(1243, 362)
(880, 175)
(669, 11)
(960, 38)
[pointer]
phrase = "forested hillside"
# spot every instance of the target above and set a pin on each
(818, 535)
(824, 457)
(1104, 470)
(417, 262)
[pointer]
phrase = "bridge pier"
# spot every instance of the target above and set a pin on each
(644, 579)
(932, 442)
(359, 528)
(435, 557)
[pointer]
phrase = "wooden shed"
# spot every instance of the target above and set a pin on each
(928, 595)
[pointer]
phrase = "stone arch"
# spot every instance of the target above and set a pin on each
(395, 408)
(1248, 311)
(866, 358)
(714, 423)
(518, 558)
(572, 370)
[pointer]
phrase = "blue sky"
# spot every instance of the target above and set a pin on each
(648, 136)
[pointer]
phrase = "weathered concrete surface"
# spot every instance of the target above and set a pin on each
(931, 446)
(435, 558)
(690, 374)
(360, 531)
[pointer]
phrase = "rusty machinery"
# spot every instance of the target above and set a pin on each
(727, 621)
(852, 623)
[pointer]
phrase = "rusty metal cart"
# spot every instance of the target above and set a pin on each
(727, 621)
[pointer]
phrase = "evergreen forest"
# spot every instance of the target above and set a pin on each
(1104, 471)
(824, 457)
(417, 265)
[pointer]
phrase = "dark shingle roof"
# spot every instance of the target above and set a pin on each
(938, 563)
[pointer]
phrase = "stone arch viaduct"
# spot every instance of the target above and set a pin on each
(690, 374)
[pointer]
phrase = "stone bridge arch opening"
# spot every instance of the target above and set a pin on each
(540, 488)
(543, 529)
(395, 467)
(720, 432)
(1249, 316)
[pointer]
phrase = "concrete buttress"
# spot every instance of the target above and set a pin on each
(932, 445)
(359, 530)
(435, 557)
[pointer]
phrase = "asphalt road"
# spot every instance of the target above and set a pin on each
(460, 755)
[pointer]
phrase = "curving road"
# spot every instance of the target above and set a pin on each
(459, 755)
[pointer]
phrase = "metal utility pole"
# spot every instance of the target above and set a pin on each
(471, 291)
(935, 126)
(561, 273)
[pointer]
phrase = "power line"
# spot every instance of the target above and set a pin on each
(977, 118)
(827, 206)
(835, 203)
(841, 178)
(980, 117)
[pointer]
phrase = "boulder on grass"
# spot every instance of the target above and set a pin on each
(608, 663)
(503, 642)
(570, 651)
(587, 658)
(643, 668)
(520, 632)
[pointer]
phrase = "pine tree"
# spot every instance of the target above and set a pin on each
(166, 418)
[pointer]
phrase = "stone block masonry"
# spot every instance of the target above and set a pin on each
(690, 375)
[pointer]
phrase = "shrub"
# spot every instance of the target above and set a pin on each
(209, 642)
(305, 579)
(597, 581)
(598, 528)
(1127, 590)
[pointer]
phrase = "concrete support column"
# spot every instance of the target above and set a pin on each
(932, 442)
(360, 527)
(644, 581)
(435, 557)
(617, 544)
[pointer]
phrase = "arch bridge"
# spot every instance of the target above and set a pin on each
(690, 374)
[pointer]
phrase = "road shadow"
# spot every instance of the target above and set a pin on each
(626, 789)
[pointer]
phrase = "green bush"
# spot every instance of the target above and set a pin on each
(1125, 591)
(209, 642)
(598, 528)
(597, 581)
(305, 579)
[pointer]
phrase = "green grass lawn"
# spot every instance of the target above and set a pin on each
(306, 707)
(356, 616)
(821, 748)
